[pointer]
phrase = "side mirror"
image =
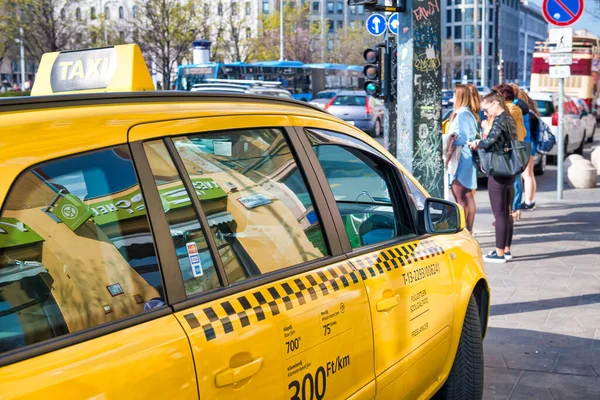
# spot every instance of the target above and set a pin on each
(443, 216)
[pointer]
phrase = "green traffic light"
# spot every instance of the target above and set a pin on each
(371, 88)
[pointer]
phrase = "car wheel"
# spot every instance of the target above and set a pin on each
(541, 167)
(591, 138)
(579, 150)
(466, 377)
(378, 129)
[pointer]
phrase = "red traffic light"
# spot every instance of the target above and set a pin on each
(371, 56)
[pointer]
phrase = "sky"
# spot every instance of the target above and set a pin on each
(586, 21)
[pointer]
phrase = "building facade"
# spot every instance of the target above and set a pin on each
(463, 44)
(503, 38)
(533, 28)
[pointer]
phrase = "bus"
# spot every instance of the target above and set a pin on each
(583, 82)
(303, 81)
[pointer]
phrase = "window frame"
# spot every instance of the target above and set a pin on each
(399, 197)
(328, 225)
(73, 338)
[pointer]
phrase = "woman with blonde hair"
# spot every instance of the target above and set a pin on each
(464, 125)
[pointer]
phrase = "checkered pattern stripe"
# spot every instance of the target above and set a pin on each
(252, 307)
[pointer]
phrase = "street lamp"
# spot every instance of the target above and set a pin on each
(280, 30)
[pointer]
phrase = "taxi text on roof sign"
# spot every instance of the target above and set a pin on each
(109, 69)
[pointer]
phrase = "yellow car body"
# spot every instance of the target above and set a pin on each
(319, 321)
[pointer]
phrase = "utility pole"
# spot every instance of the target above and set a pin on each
(483, 41)
(22, 53)
(475, 34)
(322, 30)
(500, 68)
(281, 58)
(525, 54)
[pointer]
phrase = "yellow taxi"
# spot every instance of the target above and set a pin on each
(165, 245)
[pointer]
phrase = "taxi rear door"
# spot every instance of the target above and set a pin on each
(273, 309)
(408, 277)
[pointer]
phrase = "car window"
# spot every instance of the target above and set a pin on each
(364, 189)
(325, 95)
(349, 101)
(195, 261)
(76, 250)
(264, 218)
(545, 107)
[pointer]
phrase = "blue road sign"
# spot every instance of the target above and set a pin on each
(376, 24)
(393, 24)
(562, 12)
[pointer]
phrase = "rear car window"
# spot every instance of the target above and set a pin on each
(545, 107)
(76, 250)
(349, 101)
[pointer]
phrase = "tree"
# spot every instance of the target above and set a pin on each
(349, 47)
(299, 35)
(50, 26)
(8, 28)
(165, 29)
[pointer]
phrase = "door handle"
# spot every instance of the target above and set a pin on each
(388, 304)
(236, 374)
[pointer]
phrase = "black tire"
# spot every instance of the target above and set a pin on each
(579, 150)
(591, 138)
(465, 381)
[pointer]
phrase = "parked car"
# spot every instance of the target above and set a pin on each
(323, 98)
(573, 129)
(358, 109)
(588, 119)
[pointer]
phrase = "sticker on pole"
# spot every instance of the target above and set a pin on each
(560, 71)
(376, 24)
(562, 12)
(393, 24)
(560, 40)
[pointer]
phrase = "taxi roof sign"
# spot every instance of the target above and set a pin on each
(109, 69)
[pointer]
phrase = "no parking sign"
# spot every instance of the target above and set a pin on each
(562, 12)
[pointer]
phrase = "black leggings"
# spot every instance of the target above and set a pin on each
(502, 192)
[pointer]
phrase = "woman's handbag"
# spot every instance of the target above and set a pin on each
(511, 161)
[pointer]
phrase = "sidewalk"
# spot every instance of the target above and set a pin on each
(543, 340)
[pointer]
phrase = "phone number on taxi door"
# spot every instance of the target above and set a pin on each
(314, 387)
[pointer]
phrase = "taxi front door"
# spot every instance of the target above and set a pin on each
(408, 278)
(303, 333)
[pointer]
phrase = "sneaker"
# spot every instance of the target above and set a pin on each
(508, 256)
(494, 258)
(526, 206)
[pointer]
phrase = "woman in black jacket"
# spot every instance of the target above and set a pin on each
(500, 190)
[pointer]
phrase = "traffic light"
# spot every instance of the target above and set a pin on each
(372, 72)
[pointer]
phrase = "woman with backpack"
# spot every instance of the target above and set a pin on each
(500, 189)
(528, 174)
(464, 125)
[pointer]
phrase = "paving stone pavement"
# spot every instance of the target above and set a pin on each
(543, 340)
